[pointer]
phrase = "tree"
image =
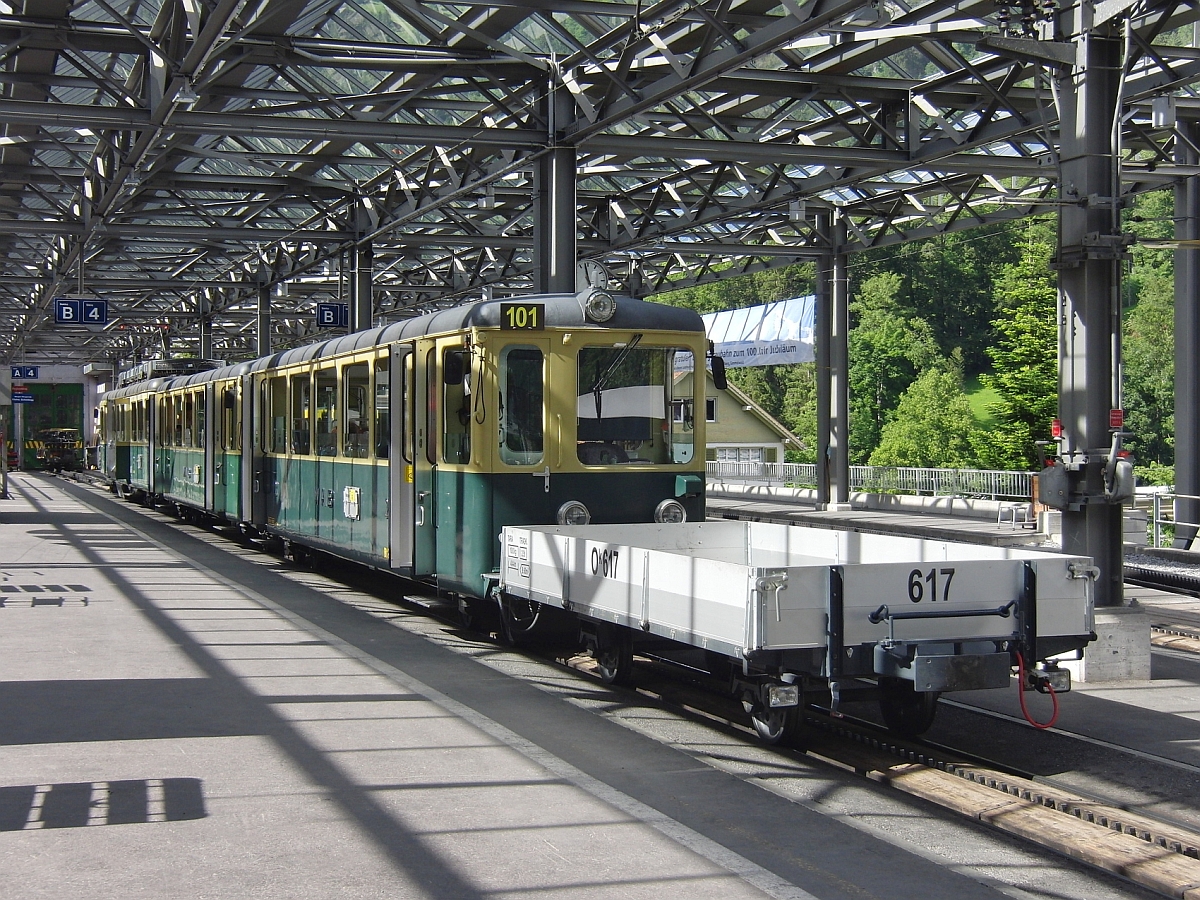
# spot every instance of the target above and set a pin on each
(800, 410)
(932, 425)
(1149, 369)
(1024, 358)
(949, 281)
(1148, 340)
(751, 289)
(889, 349)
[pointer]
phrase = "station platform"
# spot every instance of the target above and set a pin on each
(995, 531)
(252, 736)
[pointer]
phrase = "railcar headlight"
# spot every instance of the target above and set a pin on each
(599, 306)
(573, 513)
(670, 512)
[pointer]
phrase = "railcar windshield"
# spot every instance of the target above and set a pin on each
(625, 400)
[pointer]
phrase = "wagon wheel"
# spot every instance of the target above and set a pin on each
(906, 711)
(774, 726)
(475, 614)
(518, 618)
(614, 656)
(468, 616)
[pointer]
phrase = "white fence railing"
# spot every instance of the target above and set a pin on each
(1165, 522)
(990, 483)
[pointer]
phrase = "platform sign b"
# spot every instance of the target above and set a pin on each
(67, 311)
(333, 315)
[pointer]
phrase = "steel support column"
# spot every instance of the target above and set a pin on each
(362, 304)
(1187, 336)
(824, 339)
(205, 336)
(839, 369)
(554, 225)
(1089, 307)
(264, 319)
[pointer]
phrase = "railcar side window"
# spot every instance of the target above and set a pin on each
(624, 406)
(182, 411)
(233, 418)
(301, 431)
(521, 402)
(327, 424)
(219, 420)
(456, 412)
(198, 435)
(383, 421)
(358, 410)
(276, 439)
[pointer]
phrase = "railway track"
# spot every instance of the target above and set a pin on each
(1161, 855)
(1150, 851)
(1030, 808)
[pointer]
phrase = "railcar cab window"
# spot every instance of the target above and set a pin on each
(456, 406)
(625, 401)
(358, 411)
(521, 403)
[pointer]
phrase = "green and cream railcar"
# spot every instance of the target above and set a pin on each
(411, 446)
(126, 422)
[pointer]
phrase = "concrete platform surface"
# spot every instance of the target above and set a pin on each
(926, 525)
(184, 718)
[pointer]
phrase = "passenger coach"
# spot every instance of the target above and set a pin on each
(411, 446)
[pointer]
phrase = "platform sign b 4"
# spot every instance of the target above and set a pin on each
(74, 311)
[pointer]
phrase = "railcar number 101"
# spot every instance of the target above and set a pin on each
(522, 316)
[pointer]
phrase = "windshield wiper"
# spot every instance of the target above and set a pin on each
(603, 377)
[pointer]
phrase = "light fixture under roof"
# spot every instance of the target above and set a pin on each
(187, 96)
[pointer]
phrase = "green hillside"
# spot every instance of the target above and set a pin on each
(980, 398)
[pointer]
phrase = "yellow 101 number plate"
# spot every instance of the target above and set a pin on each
(522, 316)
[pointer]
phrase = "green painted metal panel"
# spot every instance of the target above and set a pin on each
(184, 469)
(227, 485)
(139, 465)
(466, 541)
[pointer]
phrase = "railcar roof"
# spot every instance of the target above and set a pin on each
(562, 311)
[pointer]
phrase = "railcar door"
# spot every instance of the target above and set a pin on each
(394, 418)
(153, 445)
(226, 439)
(326, 425)
(208, 424)
(251, 456)
(425, 396)
(262, 474)
(530, 436)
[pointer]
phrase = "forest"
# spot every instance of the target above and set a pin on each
(953, 347)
